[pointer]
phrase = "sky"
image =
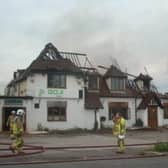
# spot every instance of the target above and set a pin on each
(132, 32)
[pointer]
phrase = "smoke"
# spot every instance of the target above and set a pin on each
(133, 32)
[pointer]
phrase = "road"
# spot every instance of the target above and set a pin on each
(161, 162)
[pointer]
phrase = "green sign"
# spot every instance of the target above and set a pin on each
(13, 102)
(55, 92)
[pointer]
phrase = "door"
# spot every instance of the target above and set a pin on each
(6, 113)
(152, 117)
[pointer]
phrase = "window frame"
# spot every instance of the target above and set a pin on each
(60, 108)
(117, 84)
(165, 112)
(91, 82)
(58, 75)
(119, 107)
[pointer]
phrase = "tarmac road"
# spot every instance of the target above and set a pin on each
(161, 162)
(133, 137)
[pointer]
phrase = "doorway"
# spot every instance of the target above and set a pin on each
(5, 114)
(152, 117)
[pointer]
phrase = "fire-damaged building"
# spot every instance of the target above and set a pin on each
(58, 92)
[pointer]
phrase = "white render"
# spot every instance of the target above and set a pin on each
(76, 114)
(131, 107)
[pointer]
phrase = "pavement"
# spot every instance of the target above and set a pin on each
(83, 139)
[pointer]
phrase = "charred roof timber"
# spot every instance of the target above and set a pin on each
(143, 77)
(51, 59)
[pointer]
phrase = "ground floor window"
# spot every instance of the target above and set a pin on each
(56, 110)
(115, 107)
(165, 113)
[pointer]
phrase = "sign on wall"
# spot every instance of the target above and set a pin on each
(13, 102)
(70, 93)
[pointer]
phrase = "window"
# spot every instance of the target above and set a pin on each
(36, 105)
(80, 94)
(57, 111)
(93, 83)
(117, 84)
(121, 107)
(165, 112)
(56, 80)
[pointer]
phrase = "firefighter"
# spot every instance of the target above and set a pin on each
(10, 122)
(18, 130)
(119, 130)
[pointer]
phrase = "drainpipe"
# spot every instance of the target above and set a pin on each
(95, 123)
(135, 109)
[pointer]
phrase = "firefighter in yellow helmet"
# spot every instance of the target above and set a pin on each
(18, 130)
(10, 122)
(119, 130)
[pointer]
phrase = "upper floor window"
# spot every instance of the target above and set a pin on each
(56, 80)
(117, 84)
(93, 83)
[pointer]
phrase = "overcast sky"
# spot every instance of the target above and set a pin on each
(134, 32)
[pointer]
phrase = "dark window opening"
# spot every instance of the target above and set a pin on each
(123, 111)
(93, 83)
(166, 112)
(56, 80)
(117, 84)
(36, 105)
(80, 94)
(56, 111)
(121, 107)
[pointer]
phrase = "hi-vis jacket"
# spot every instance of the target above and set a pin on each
(119, 127)
(10, 121)
(18, 128)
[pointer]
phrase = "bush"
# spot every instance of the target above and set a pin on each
(39, 127)
(161, 147)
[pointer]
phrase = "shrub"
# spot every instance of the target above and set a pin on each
(39, 127)
(161, 147)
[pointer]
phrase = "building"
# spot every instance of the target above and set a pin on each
(57, 92)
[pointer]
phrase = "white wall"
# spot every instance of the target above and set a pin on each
(160, 117)
(164, 121)
(37, 86)
(77, 117)
(143, 115)
(105, 111)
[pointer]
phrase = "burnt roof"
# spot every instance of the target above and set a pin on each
(50, 52)
(143, 77)
(64, 65)
(104, 91)
(114, 72)
(50, 60)
(147, 98)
